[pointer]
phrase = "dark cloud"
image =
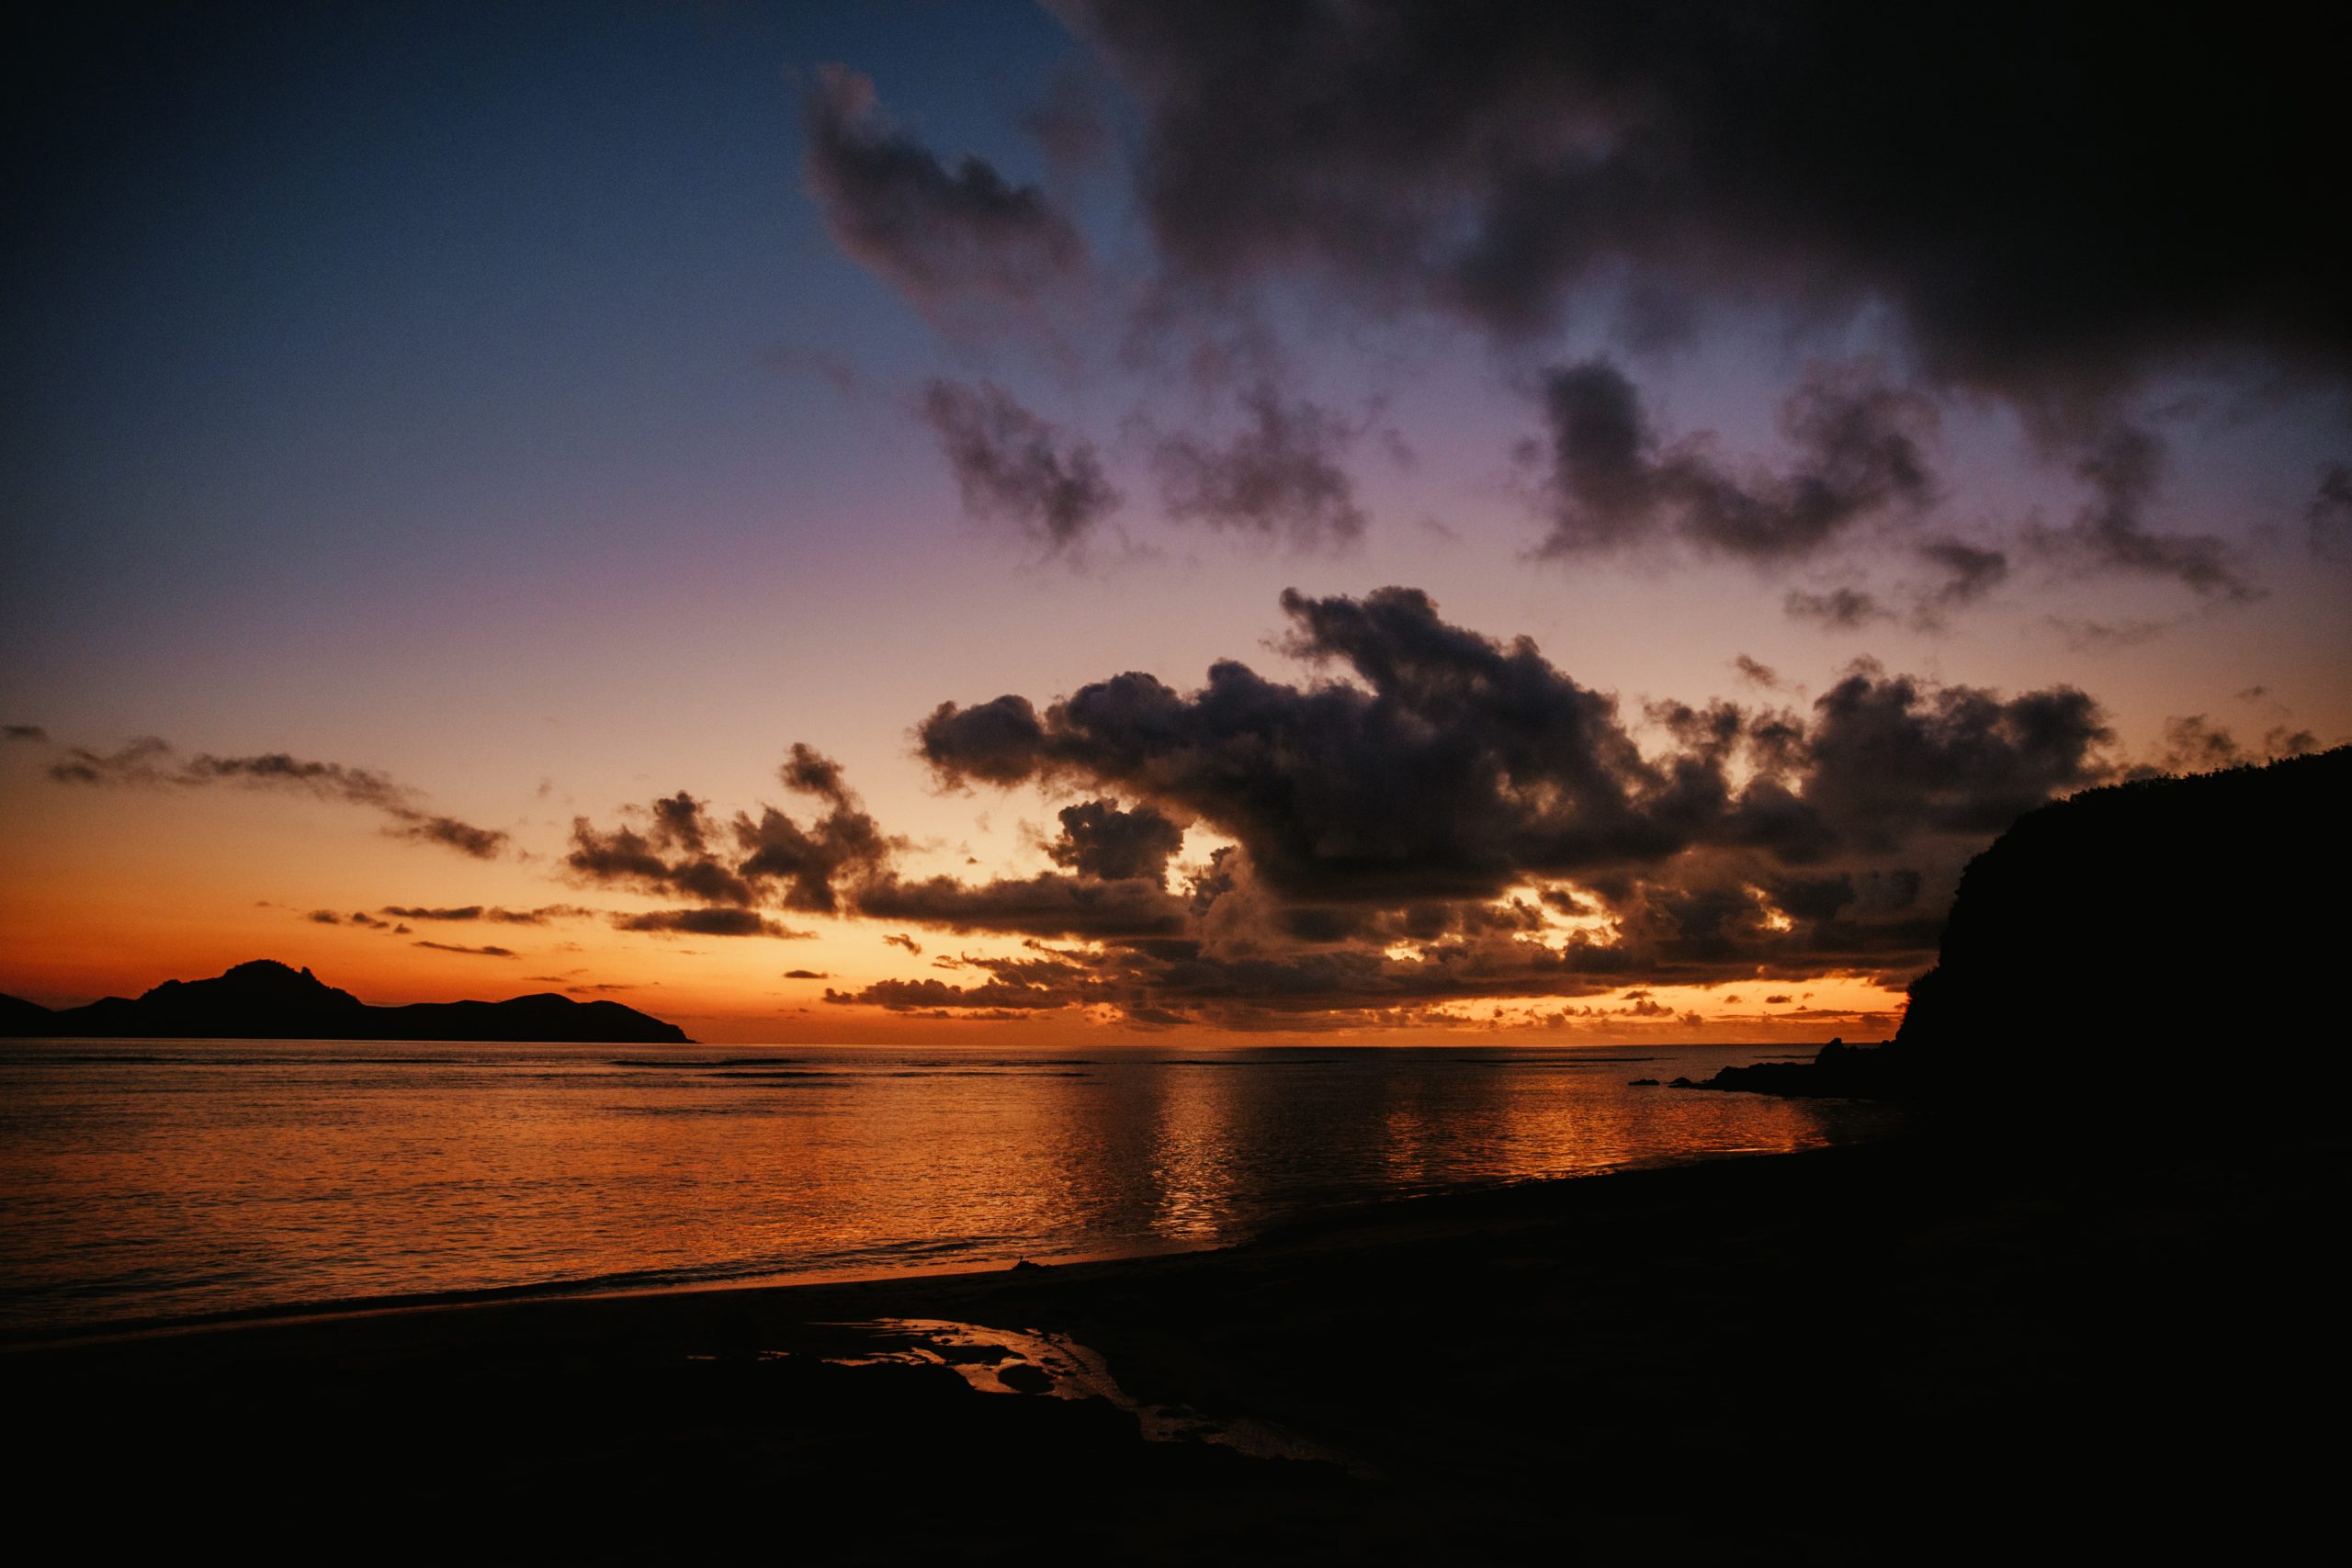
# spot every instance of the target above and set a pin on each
(1099, 839)
(2016, 187)
(482, 843)
(1459, 765)
(2193, 744)
(539, 917)
(1436, 818)
(806, 975)
(23, 732)
(1839, 609)
(906, 996)
(1888, 758)
(470, 952)
(671, 856)
(941, 235)
(2329, 514)
(362, 918)
(156, 764)
(1013, 467)
(1044, 905)
(323, 918)
(1969, 572)
(1280, 476)
(1858, 448)
(706, 922)
(1757, 674)
(2123, 466)
(682, 851)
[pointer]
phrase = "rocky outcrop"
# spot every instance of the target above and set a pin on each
(2123, 945)
(1839, 1072)
(2107, 956)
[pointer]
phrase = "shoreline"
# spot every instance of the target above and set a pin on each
(1810, 1355)
(1369, 1211)
(1922, 1346)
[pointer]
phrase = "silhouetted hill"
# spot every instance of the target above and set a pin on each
(2132, 948)
(268, 1001)
(19, 1016)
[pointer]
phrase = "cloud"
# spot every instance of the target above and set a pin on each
(1010, 465)
(1431, 817)
(1840, 609)
(32, 732)
(323, 918)
(941, 236)
(470, 952)
(806, 975)
(1278, 477)
(2192, 744)
(1459, 765)
(707, 922)
(2123, 465)
(906, 995)
(155, 763)
(1755, 674)
(1858, 448)
(539, 917)
(682, 852)
(1045, 905)
(482, 843)
(1519, 164)
(1970, 573)
(1100, 840)
(2329, 515)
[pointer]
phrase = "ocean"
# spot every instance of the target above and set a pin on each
(154, 1179)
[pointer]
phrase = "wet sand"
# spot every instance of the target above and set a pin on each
(1905, 1350)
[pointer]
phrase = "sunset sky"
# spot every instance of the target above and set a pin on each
(904, 521)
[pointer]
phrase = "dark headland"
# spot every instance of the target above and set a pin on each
(2129, 959)
(2032, 1328)
(267, 1000)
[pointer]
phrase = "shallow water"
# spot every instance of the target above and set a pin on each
(146, 1179)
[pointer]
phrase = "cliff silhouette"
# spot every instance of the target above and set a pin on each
(2113, 948)
(268, 1001)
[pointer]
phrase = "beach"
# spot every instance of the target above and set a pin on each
(1910, 1349)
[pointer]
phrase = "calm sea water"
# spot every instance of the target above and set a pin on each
(154, 1178)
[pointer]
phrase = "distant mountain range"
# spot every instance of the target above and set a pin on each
(268, 1001)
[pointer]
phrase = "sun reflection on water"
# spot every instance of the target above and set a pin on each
(166, 1179)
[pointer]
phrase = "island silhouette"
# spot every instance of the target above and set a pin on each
(265, 999)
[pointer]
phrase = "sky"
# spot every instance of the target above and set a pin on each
(1295, 521)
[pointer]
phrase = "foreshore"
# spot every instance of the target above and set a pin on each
(1892, 1350)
